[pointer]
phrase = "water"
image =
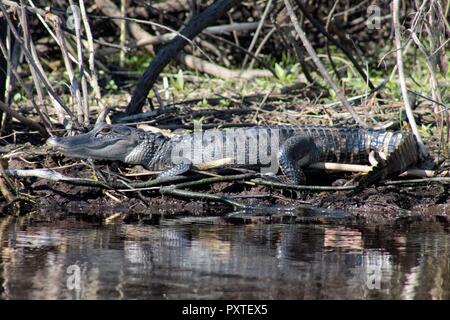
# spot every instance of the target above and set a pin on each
(184, 259)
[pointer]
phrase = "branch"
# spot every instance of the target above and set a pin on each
(169, 52)
(319, 65)
(401, 74)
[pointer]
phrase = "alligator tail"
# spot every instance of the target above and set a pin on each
(396, 162)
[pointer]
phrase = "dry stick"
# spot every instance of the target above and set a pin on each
(30, 58)
(40, 15)
(319, 65)
(258, 30)
(17, 77)
(254, 57)
(166, 54)
(123, 32)
(110, 9)
(401, 74)
(84, 90)
(260, 47)
(170, 6)
(74, 88)
(434, 35)
(28, 42)
(201, 182)
(158, 96)
(52, 34)
(58, 109)
(212, 180)
(322, 30)
(142, 36)
(226, 28)
(27, 122)
(4, 183)
(300, 187)
(91, 51)
(219, 71)
(52, 175)
(442, 180)
(32, 9)
(366, 169)
(433, 82)
(299, 55)
(200, 196)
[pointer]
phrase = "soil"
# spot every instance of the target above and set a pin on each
(375, 205)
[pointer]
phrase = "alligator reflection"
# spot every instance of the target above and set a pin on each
(189, 260)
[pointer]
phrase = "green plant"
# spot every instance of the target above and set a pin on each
(111, 85)
(286, 75)
(178, 81)
(18, 97)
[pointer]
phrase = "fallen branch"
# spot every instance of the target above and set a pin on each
(414, 172)
(219, 71)
(442, 180)
(111, 10)
(199, 196)
(221, 29)
(200, 182)
(279, 185)
(170, 51)
(27, 122)
(5, 184)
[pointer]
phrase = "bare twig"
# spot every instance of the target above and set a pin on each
(84, 91)
(300, 187)
(31, 61)
(329, 37)
(165, 55)
(319, 65)
(199, 196)
(40, 93)
(91, 51)
(219, 71)
(258, 30)
(5, 185)
(27, 122)
(123, 32)
(401, 75)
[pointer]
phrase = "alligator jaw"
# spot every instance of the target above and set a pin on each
(90, 145)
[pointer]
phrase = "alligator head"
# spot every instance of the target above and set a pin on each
(104, 142)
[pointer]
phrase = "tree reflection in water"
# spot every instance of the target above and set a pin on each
(199, 261)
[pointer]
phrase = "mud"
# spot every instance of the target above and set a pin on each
(375, 205)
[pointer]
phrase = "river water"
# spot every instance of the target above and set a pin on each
(206, 259)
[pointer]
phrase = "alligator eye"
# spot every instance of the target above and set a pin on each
(106, 130)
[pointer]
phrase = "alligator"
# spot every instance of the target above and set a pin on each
(291, 148)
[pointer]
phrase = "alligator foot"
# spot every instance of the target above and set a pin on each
(176, 170)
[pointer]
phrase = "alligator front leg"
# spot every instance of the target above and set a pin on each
(177, 169)
(296, 152)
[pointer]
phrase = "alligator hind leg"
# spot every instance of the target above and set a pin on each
(297, 151)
